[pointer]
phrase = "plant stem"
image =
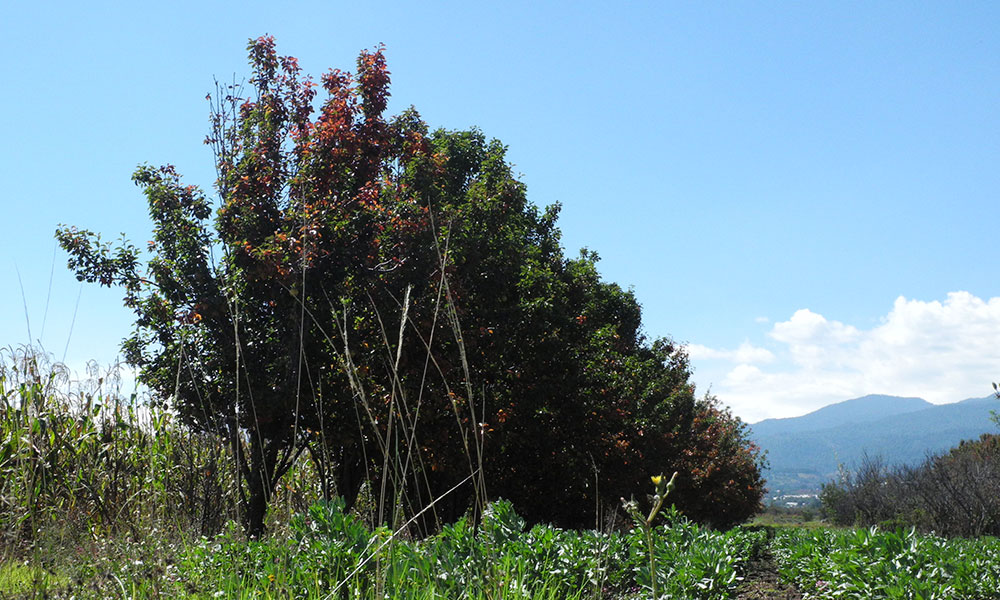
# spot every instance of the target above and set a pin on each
(652, 559)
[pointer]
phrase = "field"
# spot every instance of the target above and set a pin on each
(106, 497)
(102, 497)
(868, 563)
(326, 553)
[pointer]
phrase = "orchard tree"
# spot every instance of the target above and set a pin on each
(386, 299)
(236, 327)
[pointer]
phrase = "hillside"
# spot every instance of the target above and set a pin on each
(866, 408)
(805, 452)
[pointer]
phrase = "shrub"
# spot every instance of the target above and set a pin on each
(955, 494)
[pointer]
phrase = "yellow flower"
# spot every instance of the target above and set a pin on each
(657, 479)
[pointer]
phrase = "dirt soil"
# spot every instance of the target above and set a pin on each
(762, 583)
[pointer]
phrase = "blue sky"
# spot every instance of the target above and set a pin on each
(805, 193)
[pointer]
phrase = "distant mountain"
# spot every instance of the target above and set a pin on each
(805, 452)
(858, 410)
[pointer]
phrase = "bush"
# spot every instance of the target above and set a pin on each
(953, 494)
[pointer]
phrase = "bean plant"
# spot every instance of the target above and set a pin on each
(332, 554)
(871, 563)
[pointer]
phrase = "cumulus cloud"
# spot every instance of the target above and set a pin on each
(939, 351)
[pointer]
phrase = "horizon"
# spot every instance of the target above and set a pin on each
(799, 194)
(865, 396)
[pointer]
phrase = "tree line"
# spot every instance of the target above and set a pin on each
(384, 301)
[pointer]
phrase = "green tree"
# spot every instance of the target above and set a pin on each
(387, 300)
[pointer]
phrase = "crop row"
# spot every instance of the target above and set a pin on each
(871, 563)
(330, 550)
(327, 552)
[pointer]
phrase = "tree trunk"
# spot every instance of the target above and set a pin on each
(351, 476)
(263, 459)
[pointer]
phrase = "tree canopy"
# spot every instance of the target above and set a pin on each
(385, 299)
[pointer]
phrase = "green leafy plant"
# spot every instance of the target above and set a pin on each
(900, 563)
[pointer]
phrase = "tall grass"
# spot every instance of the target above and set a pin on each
(80, 459)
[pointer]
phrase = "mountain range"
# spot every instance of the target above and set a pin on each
(805, 452)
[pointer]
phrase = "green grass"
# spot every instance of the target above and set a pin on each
(21, 579)
(789, 519)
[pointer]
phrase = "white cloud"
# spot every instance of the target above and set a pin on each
(939, 351)
(746, 353)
